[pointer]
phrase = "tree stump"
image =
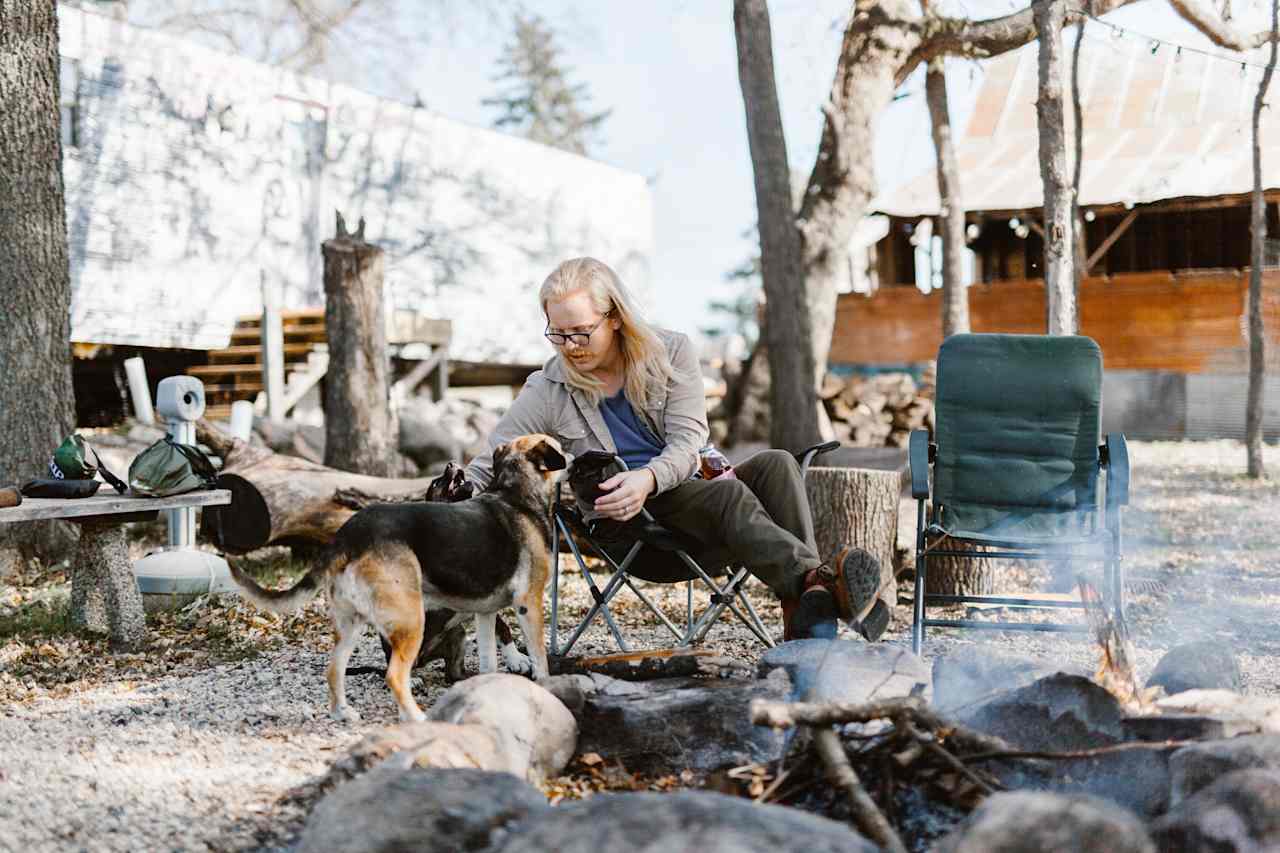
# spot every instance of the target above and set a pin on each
(360, 429)
(858, 506)
(104, 592)
(962, 575)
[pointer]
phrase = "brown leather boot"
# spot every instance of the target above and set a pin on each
(852, 577)
(812, 616)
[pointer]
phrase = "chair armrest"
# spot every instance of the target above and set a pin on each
(1117, 463)
(921, 453)
(805, 457)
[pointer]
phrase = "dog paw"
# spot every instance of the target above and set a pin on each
(517, 661)
(345, 714)
(415, 715)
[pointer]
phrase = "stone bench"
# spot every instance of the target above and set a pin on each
(104, 592)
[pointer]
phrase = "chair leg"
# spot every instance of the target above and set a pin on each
(763, 633)
(555, 589)
(601, 598)
(655, 610)
(688, 605)
(917, 605)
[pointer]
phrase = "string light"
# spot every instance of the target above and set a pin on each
(1119, 32)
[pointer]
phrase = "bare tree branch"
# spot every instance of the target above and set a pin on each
(1206, 19)
(993, 36)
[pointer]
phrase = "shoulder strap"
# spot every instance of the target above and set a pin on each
(201, 465)
(115, 482)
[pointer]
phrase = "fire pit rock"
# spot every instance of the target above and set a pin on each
(1030, 822)
(1062, 712)
(421, 809)
(695, 723)
(848, 670)
(1192, 666)
(537, 732)
(657, 823)
(1239, 813)
(1194, 768)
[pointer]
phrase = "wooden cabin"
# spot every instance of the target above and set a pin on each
(1165, 198)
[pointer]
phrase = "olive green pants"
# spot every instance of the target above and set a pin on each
(760, 520)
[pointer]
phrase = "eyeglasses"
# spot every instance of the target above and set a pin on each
(581, 339)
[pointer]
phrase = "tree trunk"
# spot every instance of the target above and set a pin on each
(793, 404)
(282, 499)
(877, 54)
(359, 423)
(1077, 110)
(1059, 245)
(859, 507)
(38, 408)
(955, 295)
(1258, 235)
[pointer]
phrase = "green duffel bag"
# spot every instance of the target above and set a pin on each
(169, 468)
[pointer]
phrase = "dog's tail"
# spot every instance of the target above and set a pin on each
(290, 599)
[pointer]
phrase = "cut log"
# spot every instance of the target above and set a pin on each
(859, 507)
(278, 499)
(360, 428)
(963, 575)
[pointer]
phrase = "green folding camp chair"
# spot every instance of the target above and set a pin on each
(1015, 468)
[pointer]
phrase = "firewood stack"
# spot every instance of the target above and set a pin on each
(878, 411)
(865, 411)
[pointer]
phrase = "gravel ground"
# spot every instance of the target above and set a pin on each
(198, 742)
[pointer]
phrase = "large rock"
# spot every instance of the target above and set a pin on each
(1196, 666)
(1194, 768)
(440, 745)
(1036, 822)
(1066, 713)
(424, 439)
(537, 732)
(685, 821)
(392, 809)
(848, 671)
(1061, 713)
(1239, 813)
(970, 674)
(699, 724)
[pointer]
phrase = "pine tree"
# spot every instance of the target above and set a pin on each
(537, 100)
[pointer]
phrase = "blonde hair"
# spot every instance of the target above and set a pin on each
(645, 362)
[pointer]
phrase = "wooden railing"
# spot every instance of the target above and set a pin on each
(1187, 322)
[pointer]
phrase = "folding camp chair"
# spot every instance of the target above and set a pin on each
(1015, 468)
(657, 554)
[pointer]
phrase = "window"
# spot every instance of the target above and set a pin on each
(69, 102)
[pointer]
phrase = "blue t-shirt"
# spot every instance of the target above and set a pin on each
(635, 443)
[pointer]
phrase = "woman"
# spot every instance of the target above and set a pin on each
(619, 385)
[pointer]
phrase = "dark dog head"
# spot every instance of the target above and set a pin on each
(533, 459)
(450, 487)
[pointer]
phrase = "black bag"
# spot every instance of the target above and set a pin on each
(589, 471)
(47, 487)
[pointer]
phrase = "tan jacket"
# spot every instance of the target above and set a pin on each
(677, 414)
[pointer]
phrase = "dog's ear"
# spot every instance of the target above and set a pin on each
(500, 455)
(548, 457)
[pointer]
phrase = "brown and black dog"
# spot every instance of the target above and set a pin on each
(476, 556)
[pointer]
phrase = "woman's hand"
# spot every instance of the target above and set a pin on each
(626, 494)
